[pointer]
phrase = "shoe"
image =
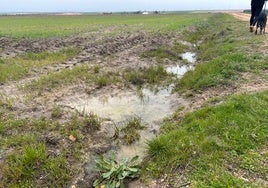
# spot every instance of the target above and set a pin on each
(251, 29)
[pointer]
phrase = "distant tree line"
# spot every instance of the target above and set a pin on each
(141, 12)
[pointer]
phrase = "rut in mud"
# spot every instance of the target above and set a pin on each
(126, 50)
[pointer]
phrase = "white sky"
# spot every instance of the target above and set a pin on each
(118, 5)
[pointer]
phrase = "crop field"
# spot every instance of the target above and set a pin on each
(36, 27)
(82, 96)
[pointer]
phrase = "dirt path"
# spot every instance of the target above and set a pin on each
(243, 17)
(240, 16)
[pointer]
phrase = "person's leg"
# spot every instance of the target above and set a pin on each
(257, 13)
(251, 21)
(253, 13)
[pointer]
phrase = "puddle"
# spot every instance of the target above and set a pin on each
(120, 106)
(152, 107)
(180, 70)
(189, 56)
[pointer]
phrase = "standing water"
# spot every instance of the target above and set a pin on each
(180, 70)
(150, 106)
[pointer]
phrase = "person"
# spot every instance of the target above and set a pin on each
(256, 8)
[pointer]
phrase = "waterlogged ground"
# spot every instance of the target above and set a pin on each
(116, 77)
(69, 97)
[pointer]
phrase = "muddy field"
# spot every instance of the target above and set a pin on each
(114, 104)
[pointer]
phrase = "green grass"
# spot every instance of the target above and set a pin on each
(223, 54)
(222, 145)
(25, 168)
(59, 26)
(223, 70)
(99, 78)
(130, 131)
(67, 77)
(56, 112)
(210, 139)
(38, 152)
(151, 75)
(20, 66)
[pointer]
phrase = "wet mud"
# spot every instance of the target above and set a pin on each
(114, 104)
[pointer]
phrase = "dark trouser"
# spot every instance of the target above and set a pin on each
(255, 12)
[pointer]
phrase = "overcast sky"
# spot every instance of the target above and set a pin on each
(118, 5)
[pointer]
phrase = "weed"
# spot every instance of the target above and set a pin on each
(180, 48)
(91, 122)
(102, 81)
(114, 173)
(58, 79)
(71, 76)
(152, 75)
(56, 112)
(160, 54)
(135, 77)
(96, 69)
(130, 132)
(7, 103)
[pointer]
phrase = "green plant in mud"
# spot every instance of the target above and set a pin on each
(6, 103)
(180, 48)
(113, 173)
(162, 53)
(151, 75)
(102, 81)
(75, 75)
(87, 74)
(58, 79)
(20, 66)
(96, 69)
(56, 112)
(130, 132)
(91, 122)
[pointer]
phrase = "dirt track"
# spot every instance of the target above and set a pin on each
(243, 17)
